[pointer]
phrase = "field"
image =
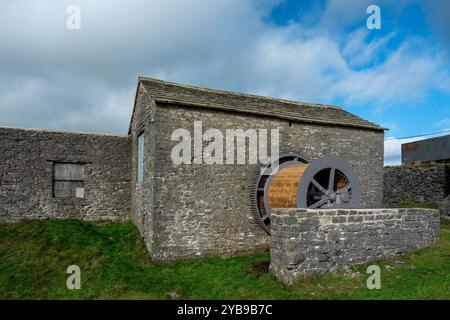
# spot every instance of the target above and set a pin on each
(115, 264)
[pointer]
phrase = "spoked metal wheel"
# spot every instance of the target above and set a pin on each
(329, 182)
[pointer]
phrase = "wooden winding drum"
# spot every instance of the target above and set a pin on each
(328, 182)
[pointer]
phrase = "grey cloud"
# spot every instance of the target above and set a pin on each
(85, 80)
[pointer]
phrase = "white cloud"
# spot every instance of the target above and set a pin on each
(359, 52)
(404, 77)
(84, 80)
(443, 123)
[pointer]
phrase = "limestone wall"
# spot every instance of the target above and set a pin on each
(418, 184)
(316, 241)
(27, 159)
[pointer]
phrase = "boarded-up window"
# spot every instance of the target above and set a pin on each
(68, 180)
(140, 158)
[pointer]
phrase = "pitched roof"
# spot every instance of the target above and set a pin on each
(174, 93)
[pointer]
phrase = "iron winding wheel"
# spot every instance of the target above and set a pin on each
(328, 182)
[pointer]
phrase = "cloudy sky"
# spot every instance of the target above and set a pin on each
(314, 51)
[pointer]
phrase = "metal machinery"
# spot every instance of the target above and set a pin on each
(327, 182)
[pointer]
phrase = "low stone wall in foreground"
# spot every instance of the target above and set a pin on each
(305, 241)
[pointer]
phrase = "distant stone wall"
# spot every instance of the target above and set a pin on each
(444, 208)
(316, 241)
(419, 184)
(27, 159)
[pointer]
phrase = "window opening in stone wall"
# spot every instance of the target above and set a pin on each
(68, 180)
(140, 158)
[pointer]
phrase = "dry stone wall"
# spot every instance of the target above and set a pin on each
(27, 159)
(418, 184)
(444, 208)
(315, 241)
(415, 184)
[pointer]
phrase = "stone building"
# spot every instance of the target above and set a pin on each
(181, 210)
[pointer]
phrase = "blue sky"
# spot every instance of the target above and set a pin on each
(412, 21)
(314, 51)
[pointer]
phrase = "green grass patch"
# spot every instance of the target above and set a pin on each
(116, 265)
(419, 205)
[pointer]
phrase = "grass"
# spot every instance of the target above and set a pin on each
(115, 265)
(419, 165)
(419, 205)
